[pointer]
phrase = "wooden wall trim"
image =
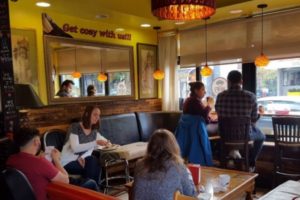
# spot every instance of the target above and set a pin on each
(54, 115)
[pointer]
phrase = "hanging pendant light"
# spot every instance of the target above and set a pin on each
(262, 60)
(158, 74)
(183, 9)
(76, 74)
(102, 77)
(206, 70)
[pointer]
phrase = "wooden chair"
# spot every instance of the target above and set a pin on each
(234, 132)
(287, 138)
(178, 196)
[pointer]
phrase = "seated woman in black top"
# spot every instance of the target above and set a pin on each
(193, 104)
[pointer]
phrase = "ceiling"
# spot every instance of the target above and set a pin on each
(132, 13)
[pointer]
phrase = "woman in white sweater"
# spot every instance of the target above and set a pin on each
(83, 138)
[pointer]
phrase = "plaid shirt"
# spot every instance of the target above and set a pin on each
(236, 102)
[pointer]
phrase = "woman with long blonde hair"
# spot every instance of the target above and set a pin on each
(162, 171)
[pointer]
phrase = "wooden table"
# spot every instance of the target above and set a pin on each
(240, 183)
(287, 190)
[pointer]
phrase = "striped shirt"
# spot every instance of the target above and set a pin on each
(236, 102)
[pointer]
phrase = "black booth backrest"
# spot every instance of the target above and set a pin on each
(120, 129)
(54, 137)
(150, 121)
(15, 186)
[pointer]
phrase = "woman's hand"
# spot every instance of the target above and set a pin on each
(81, 162)
(103, 142)
(55, 155)
(210, 101)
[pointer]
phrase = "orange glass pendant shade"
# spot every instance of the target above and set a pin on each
(183, 9)
(262, 60)
(76, 74)
(158, 75)
(206, 71)
(102, 77)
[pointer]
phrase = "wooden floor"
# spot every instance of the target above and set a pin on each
(259, 193)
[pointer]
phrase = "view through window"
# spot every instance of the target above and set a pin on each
(278, 91)
(214, 84)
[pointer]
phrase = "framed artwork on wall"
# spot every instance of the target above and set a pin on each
(147, 64)
(24, 54)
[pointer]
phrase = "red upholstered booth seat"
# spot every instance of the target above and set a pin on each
(63, 191)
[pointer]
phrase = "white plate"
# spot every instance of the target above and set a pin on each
(113, 147)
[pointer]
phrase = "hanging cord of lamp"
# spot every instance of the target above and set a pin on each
(206, 70)
(102, 76)
(158, 74)
(76, 74)
(262, 60)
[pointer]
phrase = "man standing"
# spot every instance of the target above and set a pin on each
(236, 102)
(65, 89)
(37, 169)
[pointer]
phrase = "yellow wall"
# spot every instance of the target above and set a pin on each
(27, 16)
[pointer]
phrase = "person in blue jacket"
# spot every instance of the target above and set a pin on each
(191, 133)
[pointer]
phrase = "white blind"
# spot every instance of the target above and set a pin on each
(242, 40)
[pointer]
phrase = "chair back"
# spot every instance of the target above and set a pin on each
(286, 130)
(55, 137)
(287, 137)
(178, 196)
(15, 186)
(234, 129)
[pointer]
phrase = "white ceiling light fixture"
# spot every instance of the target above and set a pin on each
(145, 25)
(180, 23)
(236, 11)
(43, 4)
(119, 29)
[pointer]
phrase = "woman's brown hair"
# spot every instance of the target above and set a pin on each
(86, 118)
(162, 147)
(195, 86)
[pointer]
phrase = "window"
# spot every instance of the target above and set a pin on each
(217, 82)
(214, 84)
(278, 90)
(185, 76)
(91, 79)
(117, 84)
(76, 92)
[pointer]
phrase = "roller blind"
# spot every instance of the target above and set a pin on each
(90, 60)
(241, 40)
